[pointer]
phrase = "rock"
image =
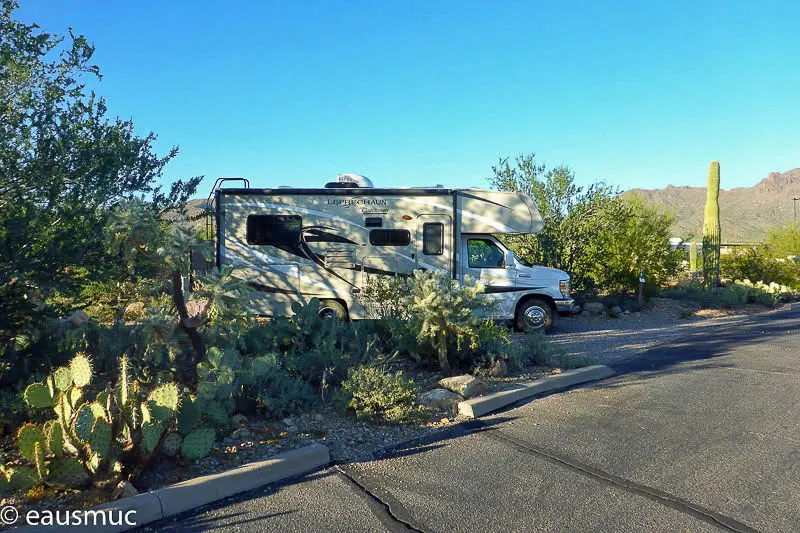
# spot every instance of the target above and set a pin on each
(292, 429)
(195, 308)
(288, 422)
(77, 318)
(594, 308)
(318, 417)
(439, 399)
(466, 385)
(616, 310)
(134, 311)
(124, 489)
(241, 433)
(499, 369)
(239, 420)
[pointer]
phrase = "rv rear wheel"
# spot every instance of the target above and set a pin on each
(331, 309)
(534, 314)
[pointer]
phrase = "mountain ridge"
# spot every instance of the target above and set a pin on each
(746, 213)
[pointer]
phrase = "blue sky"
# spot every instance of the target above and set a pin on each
(638, 94)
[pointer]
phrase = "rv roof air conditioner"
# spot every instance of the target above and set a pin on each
(350, 181)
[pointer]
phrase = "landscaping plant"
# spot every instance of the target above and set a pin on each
(113, 435)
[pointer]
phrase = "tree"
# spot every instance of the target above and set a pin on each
(599, 238)
(638, 241)
(572, 215)
(63, 161)
(64, 166)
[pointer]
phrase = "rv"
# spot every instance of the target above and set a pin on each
(294, 244)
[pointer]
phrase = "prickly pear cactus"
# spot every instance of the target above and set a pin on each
(172, 444)
(711, 229)
(84, 421)
(38, 396)
(198, 443)
(151, 434)
(62, 378)
(55, 438)
(68, 472)
(163, 402)
(28, 437)
(81, 370)
(189, 415)
(101, 437)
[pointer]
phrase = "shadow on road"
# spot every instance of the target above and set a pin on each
(711, 343)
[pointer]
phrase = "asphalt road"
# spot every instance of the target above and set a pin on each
(699, 435)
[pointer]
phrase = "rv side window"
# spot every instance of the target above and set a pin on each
(483, 253)
(389, 237)
(433, 238)
(274, 229)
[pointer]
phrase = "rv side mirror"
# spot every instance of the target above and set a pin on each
(510, 262)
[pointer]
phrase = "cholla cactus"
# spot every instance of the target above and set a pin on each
(711, 229)
(445, 310)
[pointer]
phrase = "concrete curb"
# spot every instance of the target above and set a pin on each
(491, 402)
(186, 495)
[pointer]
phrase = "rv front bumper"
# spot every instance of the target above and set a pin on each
(567, 307)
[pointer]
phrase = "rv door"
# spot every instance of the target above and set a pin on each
(486, 261)
(434, 243)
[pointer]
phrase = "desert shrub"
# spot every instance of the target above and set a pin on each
(784, 241)
(383, 298)
(759, 263)
(377, 393)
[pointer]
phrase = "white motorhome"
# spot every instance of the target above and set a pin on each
(294, 244)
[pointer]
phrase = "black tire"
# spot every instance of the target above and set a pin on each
(332, 309)
(534, 314)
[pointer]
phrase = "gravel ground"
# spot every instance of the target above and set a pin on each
(610, 340)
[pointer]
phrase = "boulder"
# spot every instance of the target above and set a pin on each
(594, 308)
(499, 369)
(617, 310)
(466, 385)
(239, 420)
(439, 399)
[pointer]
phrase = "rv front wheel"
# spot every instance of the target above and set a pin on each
(534, 314)
(331, 309)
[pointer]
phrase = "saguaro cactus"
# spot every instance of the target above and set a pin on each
(711, 229)
(693, 257)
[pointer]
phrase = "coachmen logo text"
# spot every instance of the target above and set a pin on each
(349, 202)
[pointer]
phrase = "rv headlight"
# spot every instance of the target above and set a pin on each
(563, 286)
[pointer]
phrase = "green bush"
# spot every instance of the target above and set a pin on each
(600, 238)
(379, 394)
(784, 241)
(759, 263)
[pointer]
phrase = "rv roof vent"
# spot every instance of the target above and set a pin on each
(354, 180)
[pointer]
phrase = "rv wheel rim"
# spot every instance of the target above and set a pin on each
(328, 313)
(535, 317)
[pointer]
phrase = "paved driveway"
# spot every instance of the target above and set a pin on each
(700, 435)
